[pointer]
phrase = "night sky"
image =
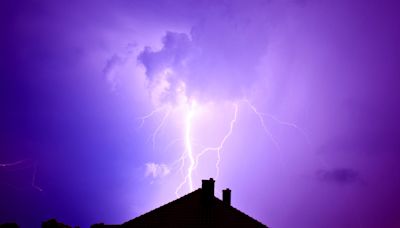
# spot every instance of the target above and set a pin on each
(106, 106)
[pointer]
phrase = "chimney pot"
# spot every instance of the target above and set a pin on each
(226, 196)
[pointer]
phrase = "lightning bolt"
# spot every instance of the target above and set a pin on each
(26, 166)
(232, 124)
(189, 149)
(222, 143)
(152, 113)
(188, 152)
(195, 160)
(189, 160)
(12, 163)
(159, 127)
(34, 179)
(182, 160)
(261, 116)
(157, 130)
(261, 119)
(289, 124)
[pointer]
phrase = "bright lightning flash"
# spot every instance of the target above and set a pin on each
(190, 112)
(188, 148)
(222, 143)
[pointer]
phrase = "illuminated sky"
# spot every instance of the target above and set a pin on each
(112, 108)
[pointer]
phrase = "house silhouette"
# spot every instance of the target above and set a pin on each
(197, 209)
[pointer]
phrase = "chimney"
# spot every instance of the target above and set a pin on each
(226, 196)
(207, 188)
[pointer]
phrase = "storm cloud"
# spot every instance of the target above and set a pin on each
(203, 58)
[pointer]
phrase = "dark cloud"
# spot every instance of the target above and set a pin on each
(340, 176)
(176, 49)
(167, 65)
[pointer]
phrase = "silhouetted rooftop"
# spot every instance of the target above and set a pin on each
(199, 208)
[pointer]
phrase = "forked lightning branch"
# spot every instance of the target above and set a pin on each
(190, 159)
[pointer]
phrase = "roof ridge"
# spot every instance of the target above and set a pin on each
(235, 209)
(169, 203)
(246, 215)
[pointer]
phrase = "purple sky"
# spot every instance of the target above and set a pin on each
(76, 77)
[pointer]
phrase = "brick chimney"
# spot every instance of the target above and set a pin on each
(226, 196)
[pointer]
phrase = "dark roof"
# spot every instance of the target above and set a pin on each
(194, 210)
